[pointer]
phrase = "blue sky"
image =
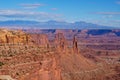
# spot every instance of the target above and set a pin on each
(103, 12)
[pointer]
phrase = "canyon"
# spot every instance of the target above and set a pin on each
(59, 54)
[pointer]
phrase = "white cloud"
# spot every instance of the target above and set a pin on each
(17, 14)
(107, 16)
(116, 21)
(118, 2)
(54, 9)
(108, 13)
(29, 6)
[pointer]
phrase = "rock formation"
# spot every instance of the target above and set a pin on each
(60, 42)
(13, 36)
(75, 45)
(49, 71)
(44, 40)
(40, 39)
(7, 41)
(27, 39)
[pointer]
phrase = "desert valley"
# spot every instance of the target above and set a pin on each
(59, 54)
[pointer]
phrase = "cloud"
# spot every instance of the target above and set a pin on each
(116, 21)
(107, 13)
(17, 14)
(54, 9)
(118, 2)
(107, 16)
(29, 6)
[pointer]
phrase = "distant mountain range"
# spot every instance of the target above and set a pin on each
(51, 25)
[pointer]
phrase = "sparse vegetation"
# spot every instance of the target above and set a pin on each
(1, 64)
(98, 53)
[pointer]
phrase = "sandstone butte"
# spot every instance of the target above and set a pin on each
(59, 62)
(13, 36)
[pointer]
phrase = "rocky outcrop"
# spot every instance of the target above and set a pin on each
(13, 37)
(7, 39)
(60, 42)
(20, 37)
(49, 71)
(75, 44)
(40, 39)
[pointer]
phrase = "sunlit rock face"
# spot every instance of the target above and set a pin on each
(40, 39)
(75, 45)
(60, 42)
(13, 36)
(20, 37)
(49, 71)
(14, 39)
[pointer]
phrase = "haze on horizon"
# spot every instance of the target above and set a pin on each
(103, 12)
